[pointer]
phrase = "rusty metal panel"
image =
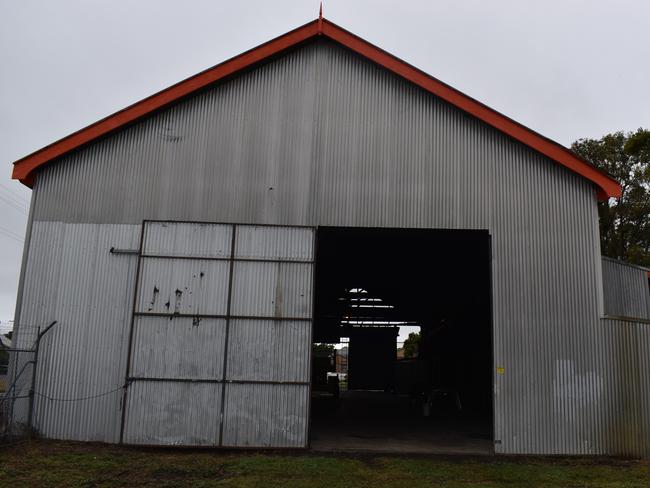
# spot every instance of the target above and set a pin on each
(276, 243)
(71, 277)
(261, 415)
(183, 286)
(178, 347)
(272, 289)
(187, 239)
(626, 289)
(175, 414)
(269, 350)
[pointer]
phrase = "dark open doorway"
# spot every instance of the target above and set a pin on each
(379, 389)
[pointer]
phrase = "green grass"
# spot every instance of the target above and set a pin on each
(60, 464)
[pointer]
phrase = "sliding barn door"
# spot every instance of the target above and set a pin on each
(220, 348)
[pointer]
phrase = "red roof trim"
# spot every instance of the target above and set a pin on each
(25, 168)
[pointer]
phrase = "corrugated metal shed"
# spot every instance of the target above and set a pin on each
(626, 290)
(323, 137)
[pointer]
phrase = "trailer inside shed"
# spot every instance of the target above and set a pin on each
(372, 283)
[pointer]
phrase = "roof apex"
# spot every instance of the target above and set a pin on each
(25, 169)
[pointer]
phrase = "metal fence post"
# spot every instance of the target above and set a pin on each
(32, 388)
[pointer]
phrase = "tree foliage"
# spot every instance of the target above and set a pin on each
(624, 222)
(411, 345)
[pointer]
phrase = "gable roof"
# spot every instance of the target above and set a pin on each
(25, 169)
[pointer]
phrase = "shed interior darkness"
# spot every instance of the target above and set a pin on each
(369, 282)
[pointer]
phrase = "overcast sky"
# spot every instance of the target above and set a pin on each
(566, 68)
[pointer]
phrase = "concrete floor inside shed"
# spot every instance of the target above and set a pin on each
(376, 421)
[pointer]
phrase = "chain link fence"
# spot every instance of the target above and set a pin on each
(17, 401)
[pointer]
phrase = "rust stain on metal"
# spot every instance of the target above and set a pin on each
(154, 297)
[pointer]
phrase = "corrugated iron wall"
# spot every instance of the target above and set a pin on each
(624, 410)
(626, 290)
(71, 277)
(269, 345)
(173, 413)
(321, 137)
(221, 334)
